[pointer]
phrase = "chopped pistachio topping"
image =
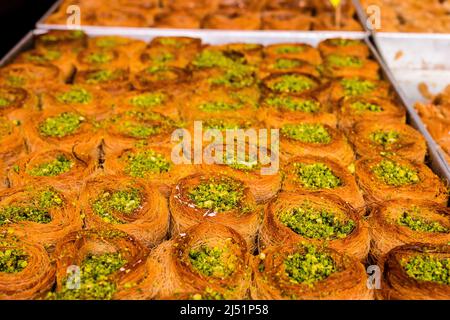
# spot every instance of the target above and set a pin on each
(4, 102)
(412, 220)
(75, 95)
(289, 49)
(122, 201)
(212, 58)
(344, 61)
(344, 42)
(309, 267)
(286, 64)
(361, 106)
(208, 294)
(218, 106)
(316, 223)
(395, 174)
(385, 138)
(221, 124)
(99, 57)
(237, 76)
(100, 76)
(356, 87)
(60, 126)
(95, 279)
(316, 176)
(138, 130)
(53, 168)
(148, 100)
(291, 83)
(107, 42)
(213, 261)
(428, 268)
(34, 210)
(13, 260)
(146, 162)
(244, 165)
(171, 42)
(307, 133)
(218, 195)
(294, 104)
(15, 81)
(47, 56)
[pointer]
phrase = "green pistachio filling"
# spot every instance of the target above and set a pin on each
(13, 260)
(246, 165)
(208, 294)
(35, 210)
(95, 279)
(60, 126)
(100, 76)
(53, 168)
(292, 84)
(163, 57)
(99, 58)
(309, 267)
(237, 76)
(410, 219)
(218, 195)
(289, 49)
(316, 223)
(307, 133)
(221, 124)
(15, 81)
(395, 174)
(47, 56)
(294, 104)
(344, 42)
(356, 87)
(218, 106)
(75, 95)
(361, 106)
(281, 64)
(4, 102)
(146, 162)
(428, 268)
(316, 176)
(148, 100)
(385, 138)
(171, 42)
(123, 202)
(344, 61)
(212, 58)
(138, 130)
(213, 261)
(107, 42)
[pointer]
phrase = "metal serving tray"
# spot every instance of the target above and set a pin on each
(436, 162)
(41, 24)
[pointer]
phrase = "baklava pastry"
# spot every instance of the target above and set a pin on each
(17, 104)
(347, 47)
(282, 65)
(12, 142)
(199, 8)
(127, 45)
(39, 213)
(251, 53)
(152, 163)
(318, 219)
(31, 76)
(217, 199)
(109, 260)
(52, 167)
(251, 163)
(159, 77)
(358, 87)
(308, 272)
(133, 128)
(315, 139)
(177, 20)
(371, 139)
(64, 40)
(398, 222)
(286, 20)
(316, 174)
(126, 204)
(382, 179)
(123, 17)
(233, 20)
(85, 100)
(98, 58)
(26, 272)
(290, 83)
(337, 65)
(113, 81)
(279, 109)
(299, 51)
(365, 109)
(207, 260)
(327, 21)
(63, 127)
(417, 272)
